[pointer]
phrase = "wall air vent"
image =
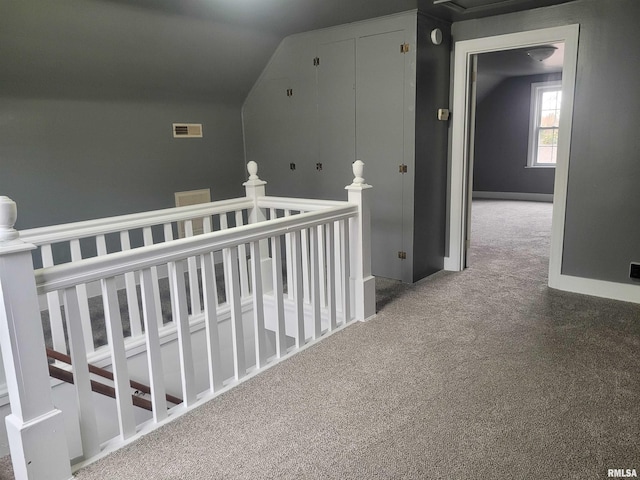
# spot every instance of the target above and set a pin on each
(187, 130)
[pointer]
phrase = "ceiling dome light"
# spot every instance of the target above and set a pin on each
(541, 53)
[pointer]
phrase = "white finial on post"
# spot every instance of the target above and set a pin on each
(363, 284)
(358, 170)
(252, 167)
(8, 216)
(254, 180)
(255, 189)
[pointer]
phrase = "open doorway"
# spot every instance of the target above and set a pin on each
(465, 53)
(514, 125)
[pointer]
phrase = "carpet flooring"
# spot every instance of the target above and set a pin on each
(482, 374)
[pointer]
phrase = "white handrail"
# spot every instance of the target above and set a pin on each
(89, 228)
(92, 269)
(300, 204)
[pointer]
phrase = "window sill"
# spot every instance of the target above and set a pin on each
(539, 166)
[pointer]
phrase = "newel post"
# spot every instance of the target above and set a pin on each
(362, 282)
(255, 188)
(35, 428)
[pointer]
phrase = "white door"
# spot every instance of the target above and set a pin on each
(380, 143)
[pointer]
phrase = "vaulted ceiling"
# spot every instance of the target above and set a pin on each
(209, 50)
(292, 16)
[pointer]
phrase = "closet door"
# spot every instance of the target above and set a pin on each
(280, 128)
(336, 74)
(380, 89)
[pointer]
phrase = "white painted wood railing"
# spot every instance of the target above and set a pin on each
(72, 242)
(293, 270)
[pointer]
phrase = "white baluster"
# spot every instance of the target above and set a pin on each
(316, 299)
(167, 229)
(132, 292)
(154, 355)
(53, 302)
(113, 324)
(225, 259)
(322, 265)
(181, 319)
(345, 277)
(242, 253)
(233, 299)
(86, 410)
(101, 245)
(296, 287)
(209, 287)
(306, 274)
(83, 299)
(258, 306)
(278, 297)
(194, 284)
(338, 264)
(207, 226)
(147, 236)
(331, 277)
(291, 279)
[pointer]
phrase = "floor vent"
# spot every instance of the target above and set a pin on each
(187, 130)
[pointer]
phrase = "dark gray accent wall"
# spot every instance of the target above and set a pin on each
(432, 92)
(602, 227)
(502, 140)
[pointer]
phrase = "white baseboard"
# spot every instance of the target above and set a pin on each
(531, 197)
(625, 292)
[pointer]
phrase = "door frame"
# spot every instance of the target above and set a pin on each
(460, 172)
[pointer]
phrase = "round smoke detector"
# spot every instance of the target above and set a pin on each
(436, 36)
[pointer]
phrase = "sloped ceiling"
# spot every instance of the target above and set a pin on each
(495, 67)
(201, 50)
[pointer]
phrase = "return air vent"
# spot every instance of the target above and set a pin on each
(187, 130)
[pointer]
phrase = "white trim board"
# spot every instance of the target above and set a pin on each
(529, 197)
(463, 54)
(626, 292)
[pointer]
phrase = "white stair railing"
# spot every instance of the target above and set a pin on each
(321, 243)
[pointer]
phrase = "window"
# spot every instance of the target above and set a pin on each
(546, 98)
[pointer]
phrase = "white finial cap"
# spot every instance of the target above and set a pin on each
(8, 216)
(252, 168)
(358, 170)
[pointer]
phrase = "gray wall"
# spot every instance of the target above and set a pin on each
(602, 231)
(88, 92)
(501, 141)
(68, 160)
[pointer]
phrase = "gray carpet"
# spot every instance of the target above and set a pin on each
(483, 374)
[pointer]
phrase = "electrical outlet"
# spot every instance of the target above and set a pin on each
(634, 271)
(318, 166)
(292, 166)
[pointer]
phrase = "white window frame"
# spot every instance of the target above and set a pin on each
(537, 89)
